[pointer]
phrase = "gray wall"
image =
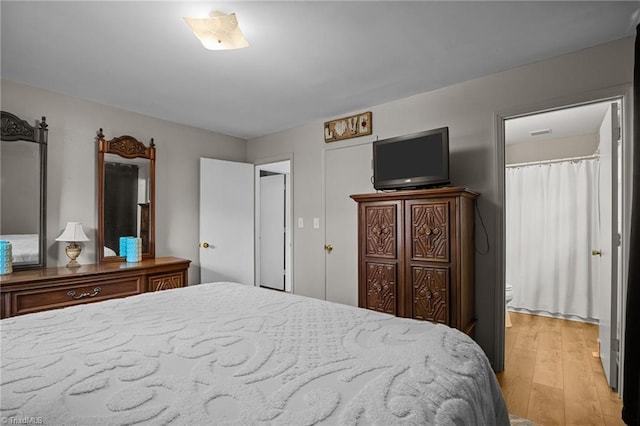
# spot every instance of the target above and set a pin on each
(551, 149)
(72, 175)
(471, 111)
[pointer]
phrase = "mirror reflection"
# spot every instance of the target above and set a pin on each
(126, 202)
(22, 190)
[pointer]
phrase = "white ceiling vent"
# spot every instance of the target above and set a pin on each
(540, 132)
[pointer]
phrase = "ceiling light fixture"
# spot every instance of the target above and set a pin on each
(218, 32)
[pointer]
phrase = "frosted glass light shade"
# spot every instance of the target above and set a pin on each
(73, 232)
(218, 32)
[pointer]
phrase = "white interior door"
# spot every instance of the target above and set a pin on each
(347, 171)
(272, 231)
(608, 252)
(226, 221)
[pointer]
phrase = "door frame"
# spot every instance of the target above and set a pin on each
(622, 93)
(289, 255)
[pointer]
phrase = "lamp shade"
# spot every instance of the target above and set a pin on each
(218, 32)
(73, 232)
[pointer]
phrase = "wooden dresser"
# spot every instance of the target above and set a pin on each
(23, 292)
(416, 254)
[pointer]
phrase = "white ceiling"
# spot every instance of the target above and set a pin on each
(307, 61)
(564, 123)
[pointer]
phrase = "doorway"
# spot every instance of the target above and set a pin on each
(273, 225)
(230, 223)
(563, 227)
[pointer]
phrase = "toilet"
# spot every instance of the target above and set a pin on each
(508, 296)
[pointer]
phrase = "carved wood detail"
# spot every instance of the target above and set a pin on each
(381, 231)
(126, 146)
(430, 294)
(381, 287)
(14, 128)
(430, 231)
(166, 282)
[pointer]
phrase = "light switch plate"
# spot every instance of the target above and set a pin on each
(300, 222)
(316, 223)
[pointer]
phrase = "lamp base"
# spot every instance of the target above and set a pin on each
(73, 251)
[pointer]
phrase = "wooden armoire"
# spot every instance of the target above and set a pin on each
(416, 254)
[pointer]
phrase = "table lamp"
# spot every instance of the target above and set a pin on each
(72, 234)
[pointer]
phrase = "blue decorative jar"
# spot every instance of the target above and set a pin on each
(6, 258)
(134, 249)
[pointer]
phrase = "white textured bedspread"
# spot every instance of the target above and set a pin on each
(24, 247)
(223, 353)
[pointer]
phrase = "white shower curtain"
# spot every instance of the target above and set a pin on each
(551, 227)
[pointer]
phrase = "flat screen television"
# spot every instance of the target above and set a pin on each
(418, 160)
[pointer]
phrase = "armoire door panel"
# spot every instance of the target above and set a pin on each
(380, 230)
(381, 282)
(430, 293)
(429, 231)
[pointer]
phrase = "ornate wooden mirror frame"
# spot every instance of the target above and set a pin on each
(14, 129)
(125, 152)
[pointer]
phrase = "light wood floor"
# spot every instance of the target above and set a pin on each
(551, 376)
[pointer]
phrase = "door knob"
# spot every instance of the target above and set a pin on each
(204, 245)
(328, 248)
(596, 252)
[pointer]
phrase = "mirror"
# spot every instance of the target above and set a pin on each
(23, 190)
(126, 195)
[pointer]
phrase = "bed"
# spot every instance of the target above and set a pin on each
(24, 247)
(225, 353)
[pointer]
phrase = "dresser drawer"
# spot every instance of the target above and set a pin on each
(166, 281)
(27, 301)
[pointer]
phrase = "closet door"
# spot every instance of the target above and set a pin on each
(381, 264)
(347, 171)
(428, 251)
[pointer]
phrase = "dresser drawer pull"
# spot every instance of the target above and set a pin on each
(83, 295)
